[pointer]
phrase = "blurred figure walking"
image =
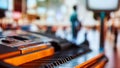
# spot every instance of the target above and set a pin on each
(74, 22)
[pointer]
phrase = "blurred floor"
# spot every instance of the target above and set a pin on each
(93, 38)
(113, 56)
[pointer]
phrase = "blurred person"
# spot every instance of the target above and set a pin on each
(29, 25)
(116, 36)
(34, 25)
(82, 37)
(62, 32)
(115, 26)
(25, 24)
(2, 13)
(105, 27)
(79, 33)
(74, 22)
(1, 30)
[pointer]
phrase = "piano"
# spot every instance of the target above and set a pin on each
(31, 50)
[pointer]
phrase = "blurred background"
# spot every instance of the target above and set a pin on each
(53, 16)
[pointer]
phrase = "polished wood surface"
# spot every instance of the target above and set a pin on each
(18, 60)
(33, 48)
(102, 63)
(90, 62)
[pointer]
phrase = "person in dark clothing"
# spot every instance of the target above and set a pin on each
(116, 35)
(74, 22)
(2, 13)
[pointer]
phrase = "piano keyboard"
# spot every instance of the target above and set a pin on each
(38, 51)
(57, 59)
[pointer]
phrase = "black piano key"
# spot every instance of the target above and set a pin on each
(55, 64)
(19, 38)
(6, 41)
(50, 66)
(58, 62)
(61, 62)
(46, 66)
